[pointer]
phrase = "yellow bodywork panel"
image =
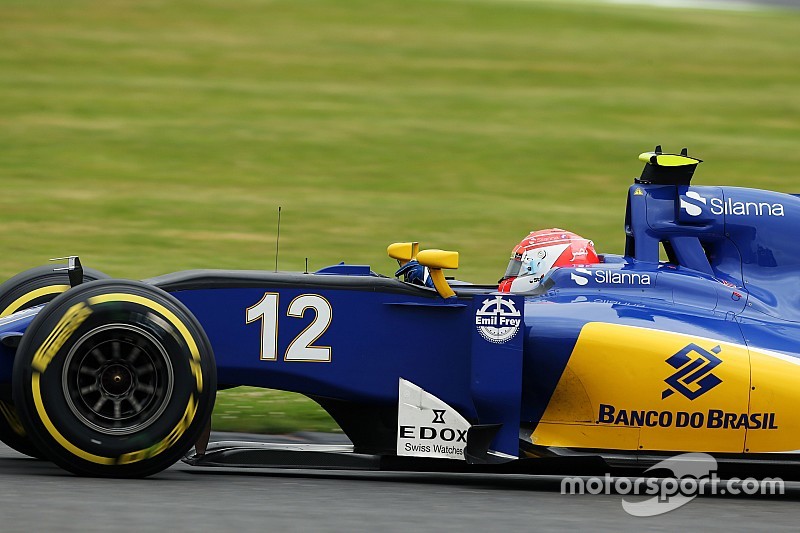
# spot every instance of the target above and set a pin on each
(586, 436)
(775, 390)
(613, 393)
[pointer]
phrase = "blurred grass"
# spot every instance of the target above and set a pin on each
(150, 136)
(247, 409)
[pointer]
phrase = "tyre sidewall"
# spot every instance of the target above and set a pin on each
(13, 433)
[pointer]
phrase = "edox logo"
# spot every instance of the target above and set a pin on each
(693, 377)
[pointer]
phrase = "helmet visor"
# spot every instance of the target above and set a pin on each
(514, 267)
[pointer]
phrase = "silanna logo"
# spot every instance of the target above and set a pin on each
(694, 204)
(582, 276)
(694, 371)
(498, 319)
(693, 209)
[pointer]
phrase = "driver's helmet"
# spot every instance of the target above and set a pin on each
(542, 250)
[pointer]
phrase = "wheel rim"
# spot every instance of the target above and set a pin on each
(117, 379)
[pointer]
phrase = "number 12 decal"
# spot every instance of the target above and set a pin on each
(302, 347)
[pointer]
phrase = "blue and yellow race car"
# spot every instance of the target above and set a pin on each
(687, 342)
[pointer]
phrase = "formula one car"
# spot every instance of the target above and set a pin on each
(625, 360)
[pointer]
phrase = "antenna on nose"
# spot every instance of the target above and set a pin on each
(278, 239)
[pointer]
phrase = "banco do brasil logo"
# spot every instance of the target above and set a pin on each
(498, 319)
(693, 377)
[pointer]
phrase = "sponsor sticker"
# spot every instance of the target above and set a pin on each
(498, 319)
(582, 276)
(693, 203)
(427, 426)
(693, 377)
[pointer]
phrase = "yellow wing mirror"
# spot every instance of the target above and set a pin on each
(403, 251)
(436, 260)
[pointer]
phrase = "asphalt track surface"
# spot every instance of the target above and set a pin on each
(38, 496)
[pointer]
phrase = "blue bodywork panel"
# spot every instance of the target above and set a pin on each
(375, 338)
(12, 326)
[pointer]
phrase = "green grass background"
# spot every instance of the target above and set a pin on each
(150, 136)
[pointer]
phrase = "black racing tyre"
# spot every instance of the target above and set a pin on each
(25, 290)
(13, 434)
(114, 378)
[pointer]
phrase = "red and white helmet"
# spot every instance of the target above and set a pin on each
(542, 250)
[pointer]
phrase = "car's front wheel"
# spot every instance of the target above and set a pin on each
(115, 379)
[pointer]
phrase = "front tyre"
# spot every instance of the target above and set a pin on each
(33, 287)
(114, 379)
(12, 434)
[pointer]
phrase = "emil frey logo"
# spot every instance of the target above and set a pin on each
(693, 377)
(498, 319)
(694, 204)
